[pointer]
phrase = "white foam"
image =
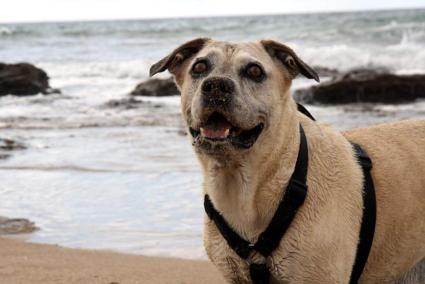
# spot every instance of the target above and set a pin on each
(5, 31)
(137, 69)
(404, 57)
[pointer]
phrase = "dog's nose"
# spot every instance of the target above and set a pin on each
(217, 91)
(217, 86)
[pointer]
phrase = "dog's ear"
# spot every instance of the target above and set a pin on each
(290, 59)
(174, 60)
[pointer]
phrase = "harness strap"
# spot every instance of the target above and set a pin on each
(292, 200)
(236, 242)
(367, 229)
(259, 273)
(304, 111)
(268, 240)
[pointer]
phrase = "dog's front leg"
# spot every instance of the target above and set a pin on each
(234, 269)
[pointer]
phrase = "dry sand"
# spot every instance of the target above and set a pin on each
(22, 262)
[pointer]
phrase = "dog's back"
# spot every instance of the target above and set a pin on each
(397, 151)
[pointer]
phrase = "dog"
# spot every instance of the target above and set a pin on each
(244, 128)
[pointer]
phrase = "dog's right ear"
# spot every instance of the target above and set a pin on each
(289, 59)
(174, 60)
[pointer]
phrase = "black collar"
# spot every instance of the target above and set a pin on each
(268, 240)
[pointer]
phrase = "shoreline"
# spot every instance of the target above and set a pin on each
(23, 262)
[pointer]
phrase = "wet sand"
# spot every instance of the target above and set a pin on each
(22, 262)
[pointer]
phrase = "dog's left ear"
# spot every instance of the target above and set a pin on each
(174, 60)
(289, 59)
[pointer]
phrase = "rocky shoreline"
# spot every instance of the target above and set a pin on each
(365, 86)
(14, 226)
(156, 88)
(362, 85)
(24, 79)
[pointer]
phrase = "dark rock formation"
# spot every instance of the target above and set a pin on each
(10, 226)
(7, 145)
(156, 88)
(365, 85)
(130, 103)
(126, 103)
(23, 79)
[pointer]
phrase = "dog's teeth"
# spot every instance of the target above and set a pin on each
(226, 133)
(202, 131)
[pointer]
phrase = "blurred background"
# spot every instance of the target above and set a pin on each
(97, 162)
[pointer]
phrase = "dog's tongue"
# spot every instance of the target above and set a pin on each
(217, 131)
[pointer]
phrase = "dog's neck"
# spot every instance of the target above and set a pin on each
(247, 192)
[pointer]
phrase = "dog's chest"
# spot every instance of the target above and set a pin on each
(236, 270)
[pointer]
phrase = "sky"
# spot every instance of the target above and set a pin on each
(69, 10)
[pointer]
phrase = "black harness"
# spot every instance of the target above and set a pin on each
(292, 200)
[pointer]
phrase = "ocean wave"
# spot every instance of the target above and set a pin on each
(150, 31)
(137, 69)
(4, 31)
(121, 77)
(15, 31)
(403, 57)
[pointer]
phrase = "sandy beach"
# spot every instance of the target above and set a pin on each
(22, 263)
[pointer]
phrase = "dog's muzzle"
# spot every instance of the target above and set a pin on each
(218, 130)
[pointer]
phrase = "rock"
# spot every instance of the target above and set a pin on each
(24, 79)
(156, 88)
(365, 86)
(126, 103)
(11, 226)
(7, 145)
(130, 103)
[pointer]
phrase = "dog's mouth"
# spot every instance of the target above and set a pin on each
(218, 129)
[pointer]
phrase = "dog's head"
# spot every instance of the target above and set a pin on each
(233, 95)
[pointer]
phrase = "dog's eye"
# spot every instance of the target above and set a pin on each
(199, 67)
(254, 72)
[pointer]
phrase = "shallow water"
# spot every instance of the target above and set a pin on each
(135, 189)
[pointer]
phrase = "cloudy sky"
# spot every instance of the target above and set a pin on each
(66, 10)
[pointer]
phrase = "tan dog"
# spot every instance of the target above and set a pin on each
(244, 123)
